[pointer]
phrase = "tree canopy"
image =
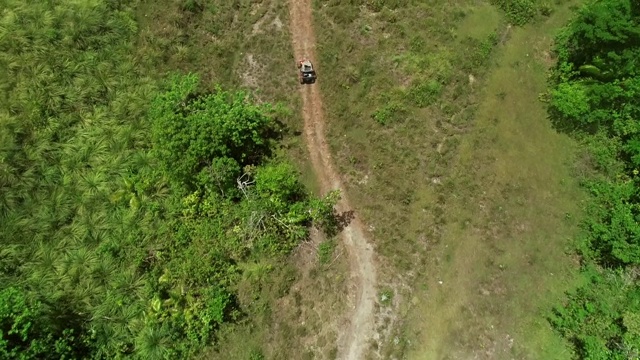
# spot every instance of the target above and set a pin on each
(208, 138)
(596, 96)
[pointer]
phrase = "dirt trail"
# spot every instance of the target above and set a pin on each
(354, 341)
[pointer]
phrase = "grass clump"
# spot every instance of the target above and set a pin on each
(426, 93)
(325, 251)
(388, 113)
(386, 297)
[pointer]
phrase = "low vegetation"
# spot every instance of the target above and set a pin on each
(520, 12)
(132, 206)
(595, 96)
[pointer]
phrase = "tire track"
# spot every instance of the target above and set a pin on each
(354, 341)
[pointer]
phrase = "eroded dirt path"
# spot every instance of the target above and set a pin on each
(354, 340)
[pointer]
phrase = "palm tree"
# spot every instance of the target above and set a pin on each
(11, 256)
(153, 343)
(103, 271)
(76, 265)
(41, 273)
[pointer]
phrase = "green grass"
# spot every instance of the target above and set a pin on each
(468, 185)
(384, 107)
(508, 226)
(479, 22)
(325, 251)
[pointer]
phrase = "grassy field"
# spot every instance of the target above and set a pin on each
(446, 150)
(398, 100)
(504, 262)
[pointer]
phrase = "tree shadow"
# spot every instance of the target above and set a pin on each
(571, 127)
(339, 222)
(278, 131)
(345, 219)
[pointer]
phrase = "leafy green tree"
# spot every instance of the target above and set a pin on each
(601, 319)
(570, 102)
(596, 96)
(605, 35)
(612, 226)
(29, 331)
(204, 139)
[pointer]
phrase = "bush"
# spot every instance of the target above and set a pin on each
(204, 139)
(600, 104)
(28, 330)
(601, 319)
(546, 9)
(388, 113)
(519, 12)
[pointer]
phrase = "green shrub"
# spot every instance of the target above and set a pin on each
(204, 140)
(388, 113)
(546, 9)
(386, 297)
(600, 104)
(193, 6)
(256, 354)
(601, 318)
(28, 329)
(519, 12)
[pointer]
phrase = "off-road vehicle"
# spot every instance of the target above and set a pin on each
(307, 73)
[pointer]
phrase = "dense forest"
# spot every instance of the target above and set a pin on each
(596, 97)
(131, 207)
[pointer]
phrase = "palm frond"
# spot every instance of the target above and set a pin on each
(153, 343)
